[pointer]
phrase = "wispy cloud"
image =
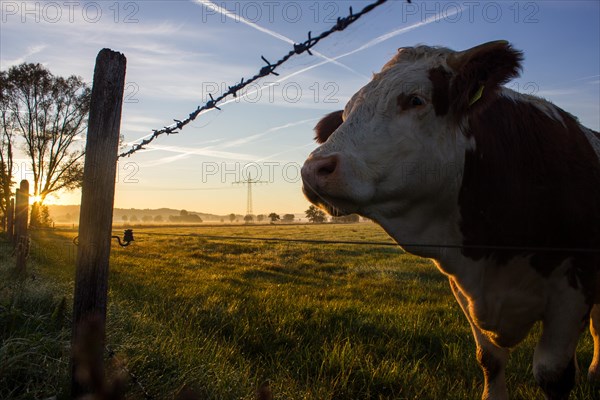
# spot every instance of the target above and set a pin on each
(570, 87)
(31, 51)
(583, 78)
(295, 149)
(217, 151)
(166, 160)
(556, 92)
(248, 139)
(209, 151)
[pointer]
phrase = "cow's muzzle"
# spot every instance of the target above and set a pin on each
(323, 182)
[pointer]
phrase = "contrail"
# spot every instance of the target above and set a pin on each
(223, 11)
(377, 40)
(365, 46)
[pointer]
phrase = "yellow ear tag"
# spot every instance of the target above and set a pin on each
(476, 96)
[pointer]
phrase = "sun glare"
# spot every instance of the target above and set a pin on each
(35, 199)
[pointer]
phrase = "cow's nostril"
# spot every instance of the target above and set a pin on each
(327, 166)
(326, 169)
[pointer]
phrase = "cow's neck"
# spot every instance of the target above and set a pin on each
(428, 230)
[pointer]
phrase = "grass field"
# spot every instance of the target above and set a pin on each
(320, 321)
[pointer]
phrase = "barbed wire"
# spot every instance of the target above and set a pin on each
(268, 69)
(381, 243)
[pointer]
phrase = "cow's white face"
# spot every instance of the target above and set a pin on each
(392, 150)
(397, 150)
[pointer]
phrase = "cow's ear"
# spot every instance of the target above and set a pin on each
(479, 72)
(327, 125)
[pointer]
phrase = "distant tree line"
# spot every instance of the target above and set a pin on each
(183, 217)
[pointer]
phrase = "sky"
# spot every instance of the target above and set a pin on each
(178, 52)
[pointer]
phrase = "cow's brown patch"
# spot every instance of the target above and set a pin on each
(489, 65)
(440, 78)
(532, 182)
(327, 125)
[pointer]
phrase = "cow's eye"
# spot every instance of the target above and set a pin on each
(416, 101)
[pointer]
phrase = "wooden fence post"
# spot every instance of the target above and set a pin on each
(95, 219)
(10, 220)
(21, 221)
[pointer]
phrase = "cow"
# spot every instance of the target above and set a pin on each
(500, 189)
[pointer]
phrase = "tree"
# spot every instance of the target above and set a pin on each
(289, 218)
(274, 217)
(6, 145)
(192, 218)
(147, 218)
(40, 216)
(158, 218)
(183, 213)
(49, 113)
(133, 218)
(248, 218)
(260, 217)
(315, 215)
(125, 218)
(231, 217)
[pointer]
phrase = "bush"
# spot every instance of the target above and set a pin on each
(40, 216)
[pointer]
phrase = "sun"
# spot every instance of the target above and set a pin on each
(36, 199)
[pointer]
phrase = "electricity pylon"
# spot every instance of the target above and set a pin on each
(249, 182)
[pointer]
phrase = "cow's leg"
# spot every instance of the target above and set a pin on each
(594, 371)
(553, 360)
(491, 358)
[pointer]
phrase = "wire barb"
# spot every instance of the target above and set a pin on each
(298, 48)
(212, 103)
(268, 69)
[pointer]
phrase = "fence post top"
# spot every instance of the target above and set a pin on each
(106, 52)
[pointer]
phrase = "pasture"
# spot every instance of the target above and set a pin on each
(221, 316)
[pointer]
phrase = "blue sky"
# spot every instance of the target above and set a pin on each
(179, 51)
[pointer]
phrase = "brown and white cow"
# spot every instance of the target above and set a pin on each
(438, 152)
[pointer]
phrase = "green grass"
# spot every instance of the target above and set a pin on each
(34, 335)
(320, 321)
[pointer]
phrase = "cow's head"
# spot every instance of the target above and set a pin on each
(399, 141)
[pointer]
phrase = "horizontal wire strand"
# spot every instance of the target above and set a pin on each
(378, 243)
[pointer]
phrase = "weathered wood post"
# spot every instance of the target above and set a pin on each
(97, 199)
(21, 221)
(15, 221)
(10, 220)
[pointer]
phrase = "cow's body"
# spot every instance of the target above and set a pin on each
(437, 152)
